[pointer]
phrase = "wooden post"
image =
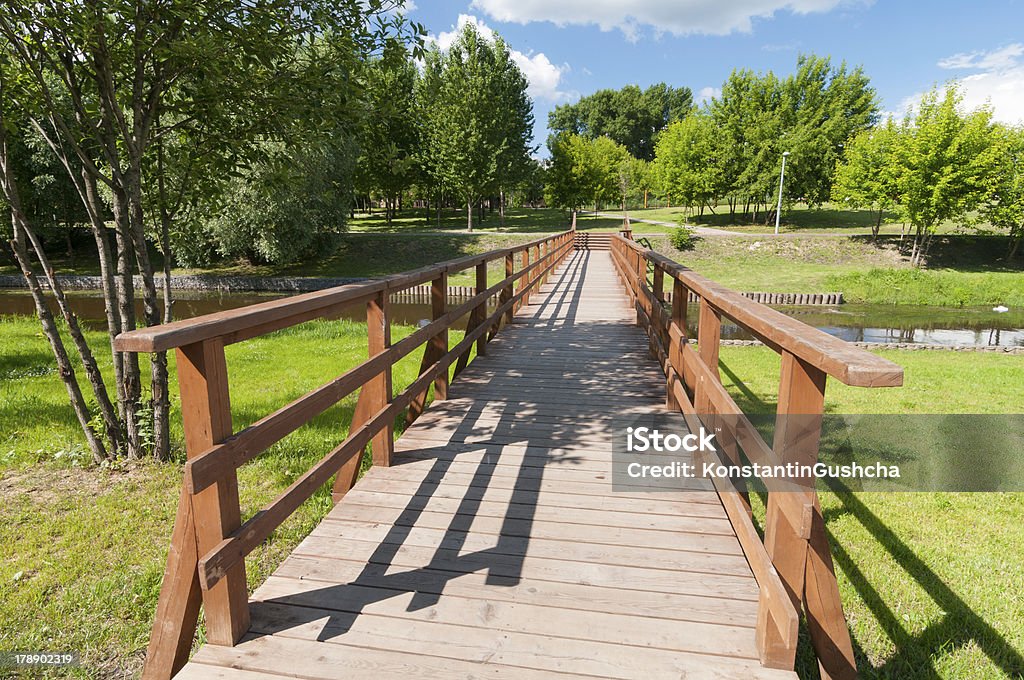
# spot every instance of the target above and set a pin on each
(206, 416)
(675, 350)
(507, 291)
(374, 395)
(481, 286)
(177, 611)
(709, 335)
(805, 565)
(524, 281)
(659, 282)
(536, 273)
(439, 305)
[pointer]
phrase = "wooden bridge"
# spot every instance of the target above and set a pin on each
(486, 542)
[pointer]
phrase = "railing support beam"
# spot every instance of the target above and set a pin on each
(206, 416)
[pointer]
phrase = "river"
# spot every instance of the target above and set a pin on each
(909, 324)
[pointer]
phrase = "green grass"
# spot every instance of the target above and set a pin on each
(82, 548)
(931, 583)
(517, 220)
(796, 219)
(928, 287)
(966, 270)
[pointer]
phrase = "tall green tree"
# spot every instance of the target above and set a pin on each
(583, 171)
(866, 177)
(1003, 206)
(476, 118)
(686, 166)
(943, 161)
(129, 96)
(389, 138)
(810, 113)
(630, 116)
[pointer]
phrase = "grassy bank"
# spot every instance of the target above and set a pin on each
(965, 270)
(82, 548)
(798, 218)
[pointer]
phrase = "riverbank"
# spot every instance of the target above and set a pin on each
(963, 270)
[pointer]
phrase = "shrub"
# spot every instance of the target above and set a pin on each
(683, 238)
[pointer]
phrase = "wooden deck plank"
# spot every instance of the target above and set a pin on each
(494, 546)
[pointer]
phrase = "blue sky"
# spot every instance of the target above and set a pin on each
(569, 48)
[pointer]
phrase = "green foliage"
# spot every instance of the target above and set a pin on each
(288, 208)
(389, 136)
(686, 168)
(1003, 207)
(630, 116)
(942, 160)
(866, 177)
(683, 238)
(476, 118)
(924, 287)
(583, 171)
(810, 113)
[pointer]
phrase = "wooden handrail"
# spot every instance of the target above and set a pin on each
(206, 562)
(792, 563)
(251, 321)
(845, 362)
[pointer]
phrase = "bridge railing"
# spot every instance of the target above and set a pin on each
(206, 561)
(793, 562)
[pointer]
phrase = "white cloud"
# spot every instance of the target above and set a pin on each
(679, 17)
(544, 78)
(999, 82)
(706, 94)
(1004, 57)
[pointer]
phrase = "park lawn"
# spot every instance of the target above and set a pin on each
(517, 221)
(796, 219)
(931, 583)
(82, 548)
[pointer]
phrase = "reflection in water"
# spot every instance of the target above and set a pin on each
(856, 323)
(909, 324)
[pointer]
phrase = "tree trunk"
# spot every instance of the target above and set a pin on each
(878, 226)
(19, 249)
(469, 214)
(1015, 242)
(645, 199)
(501, 209)
(159, 397)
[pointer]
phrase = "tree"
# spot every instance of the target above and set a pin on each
(630, 116)
(865, 178)
(477, 119)
(821, 108)
(943, 162)
(686, 165)
(810, 113)
(389, 138)
(1003, 206)
(291, 206)
(583, 170)
(145, 105)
